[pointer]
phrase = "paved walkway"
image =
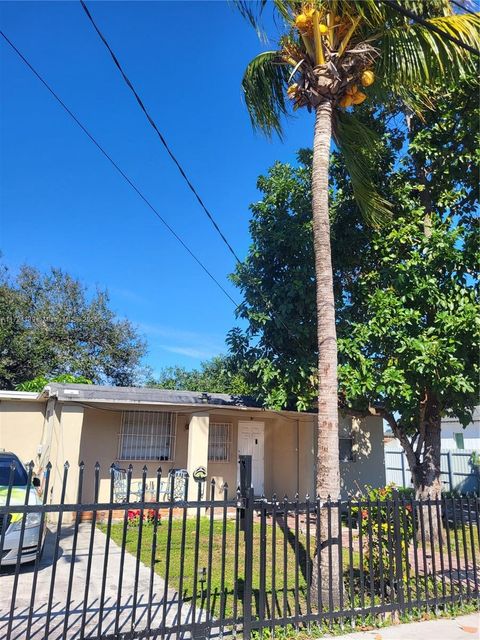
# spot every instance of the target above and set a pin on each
(93, 616)
(461, 628)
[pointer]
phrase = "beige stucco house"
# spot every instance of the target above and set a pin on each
(182, 430)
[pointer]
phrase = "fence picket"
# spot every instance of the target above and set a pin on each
(220, 575)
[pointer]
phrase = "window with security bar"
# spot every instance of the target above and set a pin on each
(219, 441)
(147, 435)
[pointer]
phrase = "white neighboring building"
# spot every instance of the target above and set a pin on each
(454, 436)
(457, 471)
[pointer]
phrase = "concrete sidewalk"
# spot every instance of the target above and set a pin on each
(94, 615)
(461, 628)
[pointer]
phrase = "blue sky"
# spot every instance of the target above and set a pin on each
(63, 205)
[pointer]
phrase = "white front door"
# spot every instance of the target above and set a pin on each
(250, 443)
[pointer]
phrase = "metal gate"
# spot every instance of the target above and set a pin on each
(156, 566)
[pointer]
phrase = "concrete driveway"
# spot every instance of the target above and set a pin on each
(130, 617)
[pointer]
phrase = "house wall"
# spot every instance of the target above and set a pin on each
(450, 427)
(21, 428)
(91, 435)
(99, 443)
(367, 466)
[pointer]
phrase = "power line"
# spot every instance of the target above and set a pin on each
(430, 26)
(136, 189)
(177, 163)
(160, 135)
(120, 171)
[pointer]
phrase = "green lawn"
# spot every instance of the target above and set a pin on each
(289, 579)
(287, 583)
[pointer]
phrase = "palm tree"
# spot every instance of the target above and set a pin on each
(331, 56)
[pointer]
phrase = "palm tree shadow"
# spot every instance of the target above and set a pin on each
(305, 563)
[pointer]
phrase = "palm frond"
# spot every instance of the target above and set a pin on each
(264, 86)
(252, 11)
(359, 146)
(412, 57)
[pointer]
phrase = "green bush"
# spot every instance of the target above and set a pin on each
(378, 522)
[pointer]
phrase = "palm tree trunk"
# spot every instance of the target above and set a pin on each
(328, 467)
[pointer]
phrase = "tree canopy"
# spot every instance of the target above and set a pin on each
(50, 326)
(407, 301)
(214, 376)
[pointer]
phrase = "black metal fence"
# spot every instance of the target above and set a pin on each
(220, 564)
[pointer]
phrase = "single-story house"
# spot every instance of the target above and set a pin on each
(178, 430)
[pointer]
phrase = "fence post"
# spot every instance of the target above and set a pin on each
(398, 553)
(247, 587)
(450, 475)
(402, 458)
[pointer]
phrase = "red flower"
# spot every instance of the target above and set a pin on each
(364, 513)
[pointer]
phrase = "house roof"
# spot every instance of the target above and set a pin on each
(18, 395)
(145, 395)
(455, 421)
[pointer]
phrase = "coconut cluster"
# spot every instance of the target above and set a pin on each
(328, 67)
(353, 95)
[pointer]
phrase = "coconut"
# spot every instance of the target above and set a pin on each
(346, 101)
(302, 21)
(358, 97)
(368, 78)
(292, 90)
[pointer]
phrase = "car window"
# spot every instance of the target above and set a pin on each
(20, 477)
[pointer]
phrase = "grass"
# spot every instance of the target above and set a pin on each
(290, 577)
(284, 591)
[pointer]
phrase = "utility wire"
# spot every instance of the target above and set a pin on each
(430, 26)
(160, 135)
(177, 163)
(461, 6)
(120, 171)
(165, 144)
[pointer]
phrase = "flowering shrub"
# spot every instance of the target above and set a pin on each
(378, 523)
(134, 515)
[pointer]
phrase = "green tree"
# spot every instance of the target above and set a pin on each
(278, 275)
(329, 48)
(49, 326)
(399, 270)
(410, 344)
(214, 376)
(414, 355)
(40, 382)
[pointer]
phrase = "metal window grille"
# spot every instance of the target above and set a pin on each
(219, 441)
(147, 435)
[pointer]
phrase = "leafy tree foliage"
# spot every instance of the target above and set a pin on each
(413, 351)
(277, 283)
(407, 294)
(217, 375)
(40, 382)
(49, 327)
